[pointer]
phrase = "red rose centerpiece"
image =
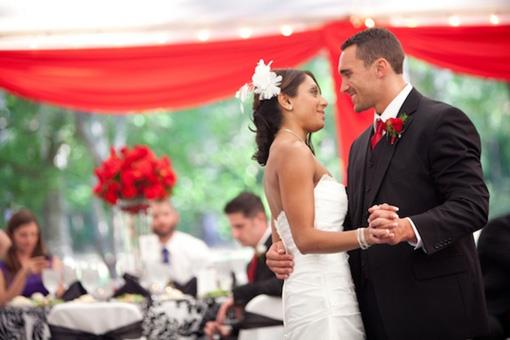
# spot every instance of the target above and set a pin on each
(132, 177)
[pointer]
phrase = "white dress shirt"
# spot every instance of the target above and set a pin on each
(187, 256)
(261, 245)
(391, 111)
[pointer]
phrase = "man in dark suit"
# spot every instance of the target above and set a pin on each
(422, 157)
(427, 284)
(494, 253)
(249, 225)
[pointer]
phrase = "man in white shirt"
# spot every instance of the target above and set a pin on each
(186, 255)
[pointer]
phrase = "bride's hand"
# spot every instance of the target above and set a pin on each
(385, 212)
(378, 236)
(279, 261)
(385, 216)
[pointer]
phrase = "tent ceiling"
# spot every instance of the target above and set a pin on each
(63, 23)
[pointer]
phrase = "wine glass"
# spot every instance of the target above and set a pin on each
(90, 279)
(68, 275)
(224, 281)
(51, 280)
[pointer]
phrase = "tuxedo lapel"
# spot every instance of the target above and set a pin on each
(386, 150)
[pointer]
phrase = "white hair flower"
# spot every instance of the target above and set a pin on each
(263, 82)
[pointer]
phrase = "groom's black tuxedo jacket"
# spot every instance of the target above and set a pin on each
(433, 174)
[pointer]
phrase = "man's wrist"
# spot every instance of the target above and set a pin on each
(410, 235)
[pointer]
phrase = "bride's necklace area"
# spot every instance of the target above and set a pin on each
(293, 133)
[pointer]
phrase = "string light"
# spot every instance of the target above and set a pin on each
(245, 32)
(369, 22)
(356, 21)
(163, 39)
(494, 19)
(286, 30)
(454, 21)
(203, 35)
(412, 22)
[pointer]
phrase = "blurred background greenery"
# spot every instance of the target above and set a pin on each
(48, 155)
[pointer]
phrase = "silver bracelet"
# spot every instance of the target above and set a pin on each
(360, 236)
(363, 240)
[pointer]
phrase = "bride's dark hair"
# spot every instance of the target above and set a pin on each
(267, 115)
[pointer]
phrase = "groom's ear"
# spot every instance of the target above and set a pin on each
(285, 102)
(382, 67)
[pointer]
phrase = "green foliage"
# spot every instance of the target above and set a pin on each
(30, 136)
(487, 104)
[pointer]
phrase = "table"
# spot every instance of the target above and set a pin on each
(24, 323)
(163, 319)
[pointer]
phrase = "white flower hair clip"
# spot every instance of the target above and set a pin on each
(263, 82)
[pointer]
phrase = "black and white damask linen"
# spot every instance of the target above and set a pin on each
(163, 319)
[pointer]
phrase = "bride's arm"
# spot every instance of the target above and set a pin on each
(295, 172)
(274, 233)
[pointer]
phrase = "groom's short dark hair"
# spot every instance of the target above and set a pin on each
(376, 43)
(246, 203)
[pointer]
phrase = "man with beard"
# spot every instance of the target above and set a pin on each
(184, 254)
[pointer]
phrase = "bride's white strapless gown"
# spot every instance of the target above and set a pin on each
(319, 300)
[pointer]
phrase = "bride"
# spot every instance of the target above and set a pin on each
(308, 207)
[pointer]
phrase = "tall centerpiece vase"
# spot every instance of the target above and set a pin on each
(127, 180)
(130, 223)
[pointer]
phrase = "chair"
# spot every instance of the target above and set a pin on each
(112, 320)
(263, 319)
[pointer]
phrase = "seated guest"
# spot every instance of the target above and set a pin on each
(184, 254)
(249, 226)
(21, 270)
(494, 253)
(5, 244)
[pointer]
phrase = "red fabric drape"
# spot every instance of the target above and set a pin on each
(349, 124)
(177, 76)
(138, 78)
(478, 50)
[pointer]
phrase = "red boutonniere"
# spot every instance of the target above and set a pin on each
(394, 128)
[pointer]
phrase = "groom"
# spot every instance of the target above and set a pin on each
(427, 283)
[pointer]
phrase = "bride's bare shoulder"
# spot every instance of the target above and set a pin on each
(290, 151)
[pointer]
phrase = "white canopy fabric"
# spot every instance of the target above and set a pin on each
(36, 24)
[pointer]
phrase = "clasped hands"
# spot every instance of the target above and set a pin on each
(385, 217)
(382, 217)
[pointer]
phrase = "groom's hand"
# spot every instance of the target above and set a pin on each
(385, 216)
(279, 261)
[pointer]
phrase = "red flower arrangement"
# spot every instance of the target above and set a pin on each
(135, 175)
